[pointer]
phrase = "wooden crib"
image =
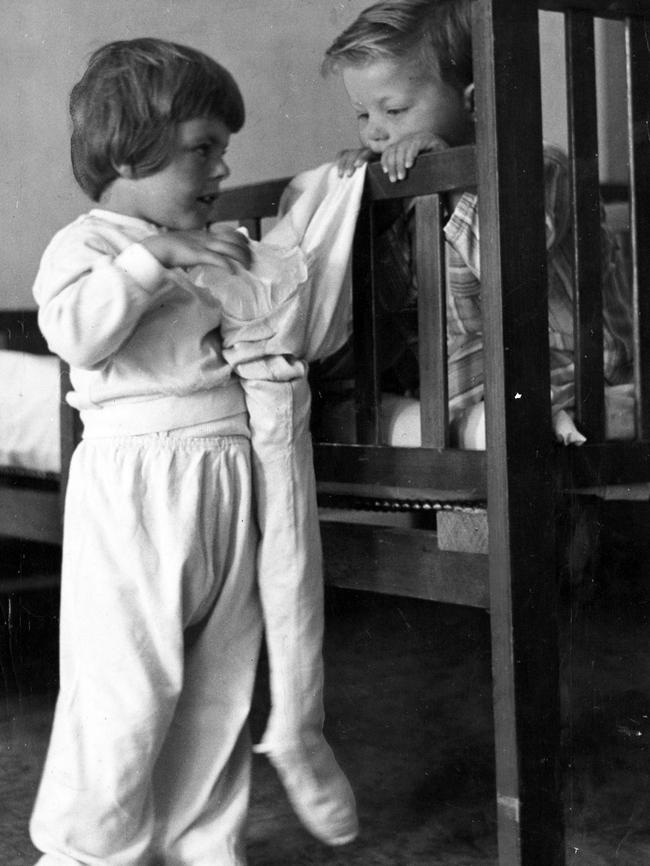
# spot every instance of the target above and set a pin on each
(506, 500)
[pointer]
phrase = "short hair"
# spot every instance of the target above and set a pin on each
(440, 31)
(126, 107)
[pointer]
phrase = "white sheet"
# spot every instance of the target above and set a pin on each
(29, 411)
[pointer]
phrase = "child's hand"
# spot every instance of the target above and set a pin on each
(348, 161)
(400, 156)
(236, 243)
(221, 246)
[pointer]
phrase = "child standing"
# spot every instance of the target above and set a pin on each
(407, 69)
(149, 759)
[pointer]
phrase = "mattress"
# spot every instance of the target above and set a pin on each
(29, 411)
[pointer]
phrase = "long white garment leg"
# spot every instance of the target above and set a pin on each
(290, 579)
(290, 573)
(158, 560)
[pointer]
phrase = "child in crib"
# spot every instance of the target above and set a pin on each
(407, 69)
(160, 628)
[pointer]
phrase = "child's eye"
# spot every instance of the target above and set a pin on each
(203, 150)
(362, 116)
(393, 112)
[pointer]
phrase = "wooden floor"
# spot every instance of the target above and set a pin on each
(409, 712)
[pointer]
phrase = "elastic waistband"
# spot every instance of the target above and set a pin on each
(223, 406)
(157, 443)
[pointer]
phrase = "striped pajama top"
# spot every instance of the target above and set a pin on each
(398, 295)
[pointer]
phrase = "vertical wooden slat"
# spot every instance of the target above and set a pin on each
(638, 83)
(523, 587)
(432, 326)
(583, 152)
(364, 312)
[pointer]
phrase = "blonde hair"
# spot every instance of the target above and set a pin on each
(438, 31)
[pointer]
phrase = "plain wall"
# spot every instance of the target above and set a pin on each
(609, 40)
(296, 119)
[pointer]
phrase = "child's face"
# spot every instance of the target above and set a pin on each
(395, 98)
(181, 195)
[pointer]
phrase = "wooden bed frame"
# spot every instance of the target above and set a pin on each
(520, 486)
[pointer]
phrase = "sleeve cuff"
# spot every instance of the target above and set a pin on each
(142, 266)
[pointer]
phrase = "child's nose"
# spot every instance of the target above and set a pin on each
(220, 169)
(377, 133)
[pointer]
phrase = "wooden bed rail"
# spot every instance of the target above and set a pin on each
(432, 471)
(615, 9)
(250, 204)
(19, 332)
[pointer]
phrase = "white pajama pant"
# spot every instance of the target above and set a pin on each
(149, 758)
(290, 570)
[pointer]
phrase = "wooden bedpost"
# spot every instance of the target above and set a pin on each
(523, 580)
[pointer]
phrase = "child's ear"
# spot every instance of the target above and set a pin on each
(468, 100)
